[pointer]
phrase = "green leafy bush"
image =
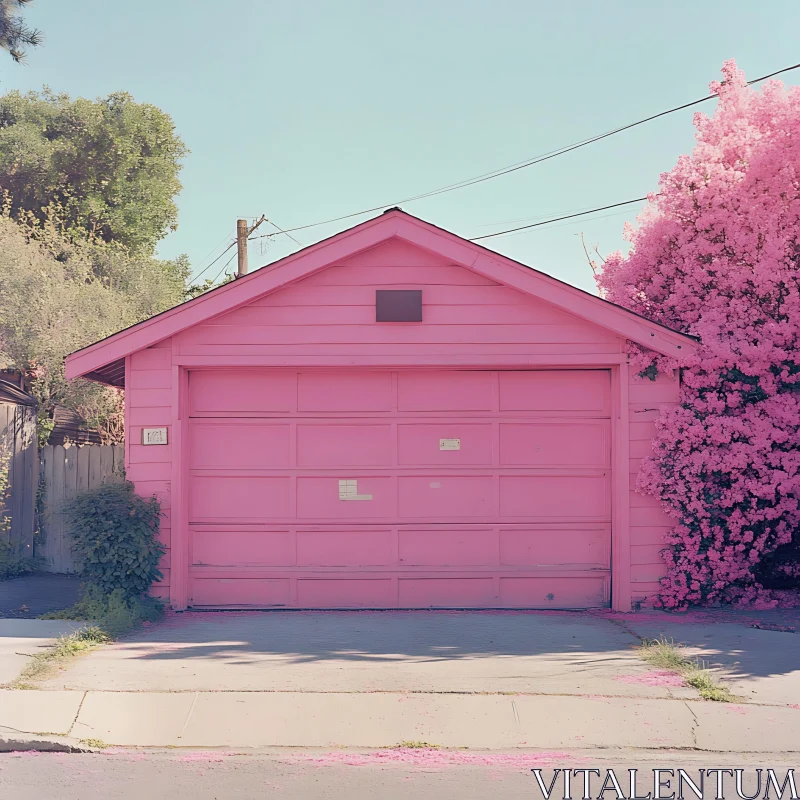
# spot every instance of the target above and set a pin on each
(113, 614)
(13, 564)
(115, 540)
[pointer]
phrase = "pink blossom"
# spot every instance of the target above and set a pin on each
(717, 254)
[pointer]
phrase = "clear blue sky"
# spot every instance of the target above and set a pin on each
(308, 110)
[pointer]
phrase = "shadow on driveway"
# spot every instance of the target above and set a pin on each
(557, 652)
(398, 651)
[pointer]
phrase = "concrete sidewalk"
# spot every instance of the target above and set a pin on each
(485, 722)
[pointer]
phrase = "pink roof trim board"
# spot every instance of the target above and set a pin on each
(100, 361)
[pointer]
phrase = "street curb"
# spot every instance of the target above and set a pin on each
(22, 742)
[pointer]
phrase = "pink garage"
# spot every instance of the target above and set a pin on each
(394, 417)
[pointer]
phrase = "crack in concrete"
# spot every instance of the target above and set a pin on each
(77, 714)
(695, 724)
(589, 695)
(621, 624)
(189, 715)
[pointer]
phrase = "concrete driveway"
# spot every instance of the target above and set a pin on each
(557, 653)
(426, 651)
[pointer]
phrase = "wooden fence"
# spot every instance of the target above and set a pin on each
(66, 472)
(18, 476)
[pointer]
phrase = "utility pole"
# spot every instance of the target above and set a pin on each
(241, 244)
(242, 234)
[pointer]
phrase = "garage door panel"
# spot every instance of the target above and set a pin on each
(345, 593)
(344, 445)
(318, 497)
(587, 391)
(584, 548)
(445, 496)
(554, 592)
(239, 592)
(348, 548)
(442, 547)
(336, 391)
(220, 547)
(237, 446)
(555, 496)
(444, 443)
(231, 391)
(238, 498)
(551, 444)
(446, 592)
(445, 391)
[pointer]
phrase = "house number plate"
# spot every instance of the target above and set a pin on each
(449, 444)
(154, 435)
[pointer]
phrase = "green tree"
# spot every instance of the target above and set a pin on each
(58, 295)
(15, 35)
(106, 169)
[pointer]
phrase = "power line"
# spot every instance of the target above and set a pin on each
(532, 161)
(197, 277)
(569, 222)
(281, 230)
(224, 267)
(529, 218)
(214, 249)
(558, 219)
(473, 239)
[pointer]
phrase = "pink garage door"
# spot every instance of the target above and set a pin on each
(399, 489)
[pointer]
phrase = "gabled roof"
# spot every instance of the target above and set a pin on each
(104, 360)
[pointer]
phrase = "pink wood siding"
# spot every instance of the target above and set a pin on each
(527, 497)
(333, 313)
(148, 404)
(649, 523)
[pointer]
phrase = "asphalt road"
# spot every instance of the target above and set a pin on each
(30, 596)
(341, 775)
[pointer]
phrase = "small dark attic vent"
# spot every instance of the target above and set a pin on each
(398, 305)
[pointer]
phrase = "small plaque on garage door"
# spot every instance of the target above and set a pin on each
(449, 444)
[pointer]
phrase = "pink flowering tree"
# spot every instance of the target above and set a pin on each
(717, 254)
